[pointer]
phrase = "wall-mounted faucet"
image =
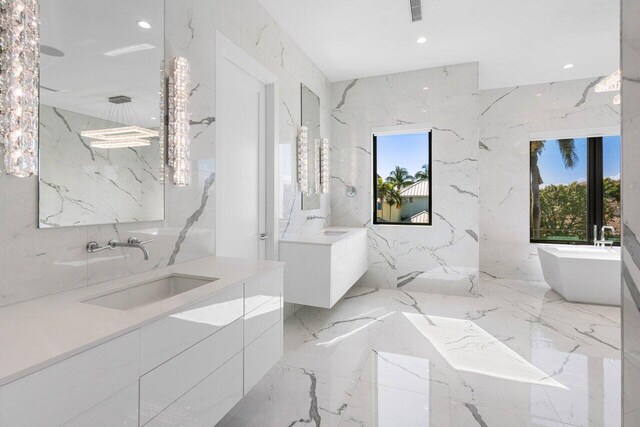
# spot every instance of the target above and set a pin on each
(602, 242)
(132, 242)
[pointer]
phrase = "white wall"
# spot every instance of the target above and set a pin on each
(38, 262)
(507, 117)
(94, 186)
(630, 212)
(440, 258)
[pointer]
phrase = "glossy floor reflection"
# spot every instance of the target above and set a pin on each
(518, 355)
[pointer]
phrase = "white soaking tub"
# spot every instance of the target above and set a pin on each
(586, 274)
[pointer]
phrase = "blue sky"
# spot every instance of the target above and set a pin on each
(409, 150)
(552, 166)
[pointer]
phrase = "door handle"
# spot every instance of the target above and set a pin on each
(264, 236)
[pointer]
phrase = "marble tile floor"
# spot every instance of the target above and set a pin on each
(518, 355)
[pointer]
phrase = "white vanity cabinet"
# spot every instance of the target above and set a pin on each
(197, 361)
(98, 387)
(186, 368)
(323, 266)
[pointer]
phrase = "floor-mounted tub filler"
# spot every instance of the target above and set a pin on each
(586, 274)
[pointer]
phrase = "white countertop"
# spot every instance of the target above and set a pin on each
(40, 332)
(321, 238)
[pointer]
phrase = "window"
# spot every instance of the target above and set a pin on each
(402, 178)
(574, 186)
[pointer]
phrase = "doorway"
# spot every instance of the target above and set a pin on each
(245, 154)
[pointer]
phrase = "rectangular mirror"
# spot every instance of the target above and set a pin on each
(310, 109)
(101, 160)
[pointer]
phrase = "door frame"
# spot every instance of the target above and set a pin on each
(228, 50)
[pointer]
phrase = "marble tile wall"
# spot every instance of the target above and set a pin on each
(83, 185)
(440, 258)
(507, 117)
(36, 262)
(630, 212)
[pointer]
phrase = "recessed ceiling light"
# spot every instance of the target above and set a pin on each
(50, 51)
(153, 118)
(538, 94)
(425, 88)
(567, 66)
(144, 24)
(129, 49)
(421, 40)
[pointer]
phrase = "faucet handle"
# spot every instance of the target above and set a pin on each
(93, 247)
(136, 241)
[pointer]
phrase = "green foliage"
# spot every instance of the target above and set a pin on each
(611, 189)
(387, 194)
(564, 211)
(400, 178)
(423, 173)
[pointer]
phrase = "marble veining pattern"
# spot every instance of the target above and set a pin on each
(630, 208)
(365, 363)
(440, 258)
(55, 259)
(81, 185)
(508, 117)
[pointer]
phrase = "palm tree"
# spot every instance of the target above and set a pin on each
(400, 178)
(567, 149)
(423, 173)
(387, 194)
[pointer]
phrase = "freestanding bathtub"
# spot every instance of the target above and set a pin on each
(586, 274)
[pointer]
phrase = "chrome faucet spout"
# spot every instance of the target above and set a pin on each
(603, 242)
(132, 243)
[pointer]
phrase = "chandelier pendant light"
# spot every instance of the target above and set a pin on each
(120, 136)
(19, 85)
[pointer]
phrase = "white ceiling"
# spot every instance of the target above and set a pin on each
(516, 42)
(84, 78)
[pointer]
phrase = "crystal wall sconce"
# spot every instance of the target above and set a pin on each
(611, 83)
(303, 163)
(179, 143)
(316, 168)
(324, 166)
(19, 85)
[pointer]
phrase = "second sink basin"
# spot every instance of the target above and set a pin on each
(149, 292)
(334, 233)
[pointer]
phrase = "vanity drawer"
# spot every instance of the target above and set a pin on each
(339, 250)
(120, 410)
(261, 355)
(62, 392)
(207, 402)
(261, 319)
(166, 383)
(356, 241)
(263, 288)
(167, 337)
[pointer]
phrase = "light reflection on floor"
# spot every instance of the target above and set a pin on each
(533, 360)
(466, 347)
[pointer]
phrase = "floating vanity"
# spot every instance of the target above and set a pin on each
(323, 266)
(178, 346)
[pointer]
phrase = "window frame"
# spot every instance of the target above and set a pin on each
(595, 193)
(398, 130)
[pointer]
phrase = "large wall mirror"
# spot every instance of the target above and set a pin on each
(310, 104)
(101, 160)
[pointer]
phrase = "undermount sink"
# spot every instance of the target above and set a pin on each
(334, 233)
(149, 292)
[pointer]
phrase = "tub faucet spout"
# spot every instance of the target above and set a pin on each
(603, 242)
